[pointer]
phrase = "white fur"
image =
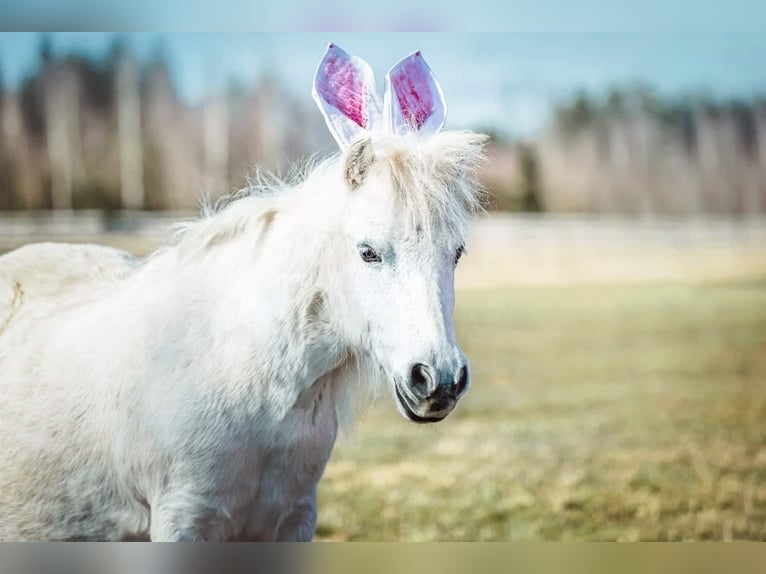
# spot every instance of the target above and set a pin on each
(196, 394)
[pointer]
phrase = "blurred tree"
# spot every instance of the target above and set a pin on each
(62, 123)
(216, 143)
(530, 187)
(576, 115)
(129, 131)
(7, 168)
(161, 135)
(45, 48)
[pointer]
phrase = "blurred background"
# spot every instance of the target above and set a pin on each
(613, 300)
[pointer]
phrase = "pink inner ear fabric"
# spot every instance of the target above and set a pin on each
(413, 91)
(342, 86)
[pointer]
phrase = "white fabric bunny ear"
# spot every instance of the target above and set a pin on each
(344, 89)
(414, 100)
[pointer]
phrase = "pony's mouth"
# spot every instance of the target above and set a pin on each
(410, 414)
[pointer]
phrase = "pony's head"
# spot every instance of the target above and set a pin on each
(400, 238)
(410, 191)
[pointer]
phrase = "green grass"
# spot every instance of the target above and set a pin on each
(596, 413)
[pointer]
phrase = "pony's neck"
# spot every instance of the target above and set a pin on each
(258, 293)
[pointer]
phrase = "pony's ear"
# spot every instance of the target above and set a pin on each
(344, 89)
(358, 161)
(414, 100)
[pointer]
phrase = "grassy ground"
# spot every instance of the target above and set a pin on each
(598, 413)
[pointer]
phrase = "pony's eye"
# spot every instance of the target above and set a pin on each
(459, 253)
(368, 254)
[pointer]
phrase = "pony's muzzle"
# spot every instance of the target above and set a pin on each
(430, 394)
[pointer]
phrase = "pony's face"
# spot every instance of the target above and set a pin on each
(397, 299)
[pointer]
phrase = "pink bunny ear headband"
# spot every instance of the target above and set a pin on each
(344, 89)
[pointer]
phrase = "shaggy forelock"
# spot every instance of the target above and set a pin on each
(434, 178)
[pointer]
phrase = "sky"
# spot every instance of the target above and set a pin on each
(505, 80)
(420, 15)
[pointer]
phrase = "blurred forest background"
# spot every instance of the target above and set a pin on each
(111, 132)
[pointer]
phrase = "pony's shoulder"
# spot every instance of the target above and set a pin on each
(45, 271)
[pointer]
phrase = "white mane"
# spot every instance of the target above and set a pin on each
(433, 177)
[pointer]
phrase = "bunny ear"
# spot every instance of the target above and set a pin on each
(414, 100)
(344, 89)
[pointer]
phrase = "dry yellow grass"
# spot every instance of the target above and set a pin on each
(599, 413)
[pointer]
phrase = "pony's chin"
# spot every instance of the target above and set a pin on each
(410, 415)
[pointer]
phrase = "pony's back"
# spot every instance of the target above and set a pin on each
(43, 273)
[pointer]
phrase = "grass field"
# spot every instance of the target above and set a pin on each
(596, 413)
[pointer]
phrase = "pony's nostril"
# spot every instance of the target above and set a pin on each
(420, 380)
(462, 380)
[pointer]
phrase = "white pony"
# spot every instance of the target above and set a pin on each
(196, 394)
